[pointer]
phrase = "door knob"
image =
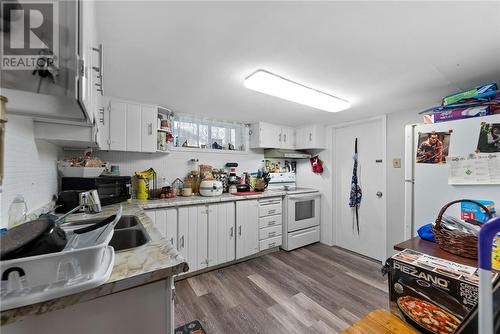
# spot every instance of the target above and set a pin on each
(379, 194)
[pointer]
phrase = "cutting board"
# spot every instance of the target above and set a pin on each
(247, 193)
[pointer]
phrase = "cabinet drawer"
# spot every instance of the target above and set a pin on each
(269, 208)
(303, 237)
(269, 232)
(270, 221)
(270, 243)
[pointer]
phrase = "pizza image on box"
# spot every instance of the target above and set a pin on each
(428, 316)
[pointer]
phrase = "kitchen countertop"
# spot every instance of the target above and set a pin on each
(151, 262)
(145, 264)
(194, 200)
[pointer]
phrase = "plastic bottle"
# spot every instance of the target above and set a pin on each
(17, 211)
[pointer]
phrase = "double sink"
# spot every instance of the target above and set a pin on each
(129, 232)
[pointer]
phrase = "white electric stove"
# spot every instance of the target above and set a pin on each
(301, 211)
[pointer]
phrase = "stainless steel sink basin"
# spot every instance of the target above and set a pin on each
(127, 222)
(124, 222)
(129, 232)
(127, 239)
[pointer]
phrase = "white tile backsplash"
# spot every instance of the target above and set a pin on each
(176, 164)
(30, 167)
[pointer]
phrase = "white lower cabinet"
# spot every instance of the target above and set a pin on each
(213, 234)
(221, 233)
(193, 236)
(247, 228)
(165, 221)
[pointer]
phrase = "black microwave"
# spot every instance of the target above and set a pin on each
(111, 189)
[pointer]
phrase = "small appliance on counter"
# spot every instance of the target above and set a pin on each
(110, 189)
(211, 188)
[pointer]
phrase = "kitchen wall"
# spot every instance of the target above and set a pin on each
(176, 164)
(395, 176)
(395, 180)
(323, 182)
(30, 167)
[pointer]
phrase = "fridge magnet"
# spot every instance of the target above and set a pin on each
(489, 138)
(433, 147)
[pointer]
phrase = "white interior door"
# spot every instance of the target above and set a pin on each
(371, 240)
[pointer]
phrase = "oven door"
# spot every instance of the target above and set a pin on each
(303, 211)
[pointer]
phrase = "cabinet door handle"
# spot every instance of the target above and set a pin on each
(271, 223)
(231, 231)
(284, 137)
(280, 138)
(239, 230)
(101, 112)
(100, 69)
(172, 241)
(310, 136)
(182, 242)
(150, 128)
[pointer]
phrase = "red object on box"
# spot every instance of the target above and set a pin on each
(468, 215)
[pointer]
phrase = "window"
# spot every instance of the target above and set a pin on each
(193, 132)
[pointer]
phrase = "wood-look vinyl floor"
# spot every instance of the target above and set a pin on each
(315, 289)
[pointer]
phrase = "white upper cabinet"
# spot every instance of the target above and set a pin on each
(267, 135)
(149, 115)
(310, 137)
(89, 64)
(132, 126)
(287, 137)
(117, 126)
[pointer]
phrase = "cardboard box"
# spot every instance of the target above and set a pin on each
(453, 114)
(431, 294)
(473, 211)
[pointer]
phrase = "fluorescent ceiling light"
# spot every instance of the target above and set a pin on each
(272, 84)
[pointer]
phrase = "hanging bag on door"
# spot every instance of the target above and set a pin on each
(355, 196)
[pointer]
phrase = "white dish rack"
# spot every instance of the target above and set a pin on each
(86, 262)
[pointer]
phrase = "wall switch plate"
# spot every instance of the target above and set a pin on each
(396, 162)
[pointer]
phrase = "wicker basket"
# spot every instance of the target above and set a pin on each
(458, 243)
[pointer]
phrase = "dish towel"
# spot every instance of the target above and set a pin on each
(355, 197)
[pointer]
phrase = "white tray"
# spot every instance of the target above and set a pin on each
(41, 293)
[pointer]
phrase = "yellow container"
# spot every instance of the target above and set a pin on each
(142, 188)
(495, 256)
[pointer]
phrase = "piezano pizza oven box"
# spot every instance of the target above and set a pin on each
(431, 294)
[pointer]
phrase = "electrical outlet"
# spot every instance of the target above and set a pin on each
(396, 163)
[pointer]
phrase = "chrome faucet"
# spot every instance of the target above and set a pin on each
(88, 201)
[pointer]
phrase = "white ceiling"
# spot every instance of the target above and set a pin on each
(382, 56)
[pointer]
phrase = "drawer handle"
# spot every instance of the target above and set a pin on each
(271, 223)
(271, 234)
(269, 203)
(272, 244)
(271, 211)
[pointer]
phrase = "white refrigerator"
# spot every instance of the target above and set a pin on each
(426, 184)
